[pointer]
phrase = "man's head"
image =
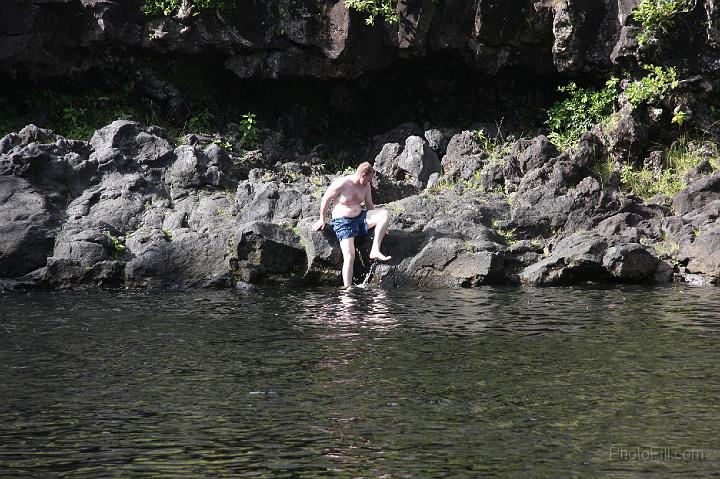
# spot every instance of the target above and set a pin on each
(364, 173)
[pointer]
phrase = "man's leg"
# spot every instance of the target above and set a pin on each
(347, 246)
(380, 220)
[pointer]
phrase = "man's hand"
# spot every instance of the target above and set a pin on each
(318, 225)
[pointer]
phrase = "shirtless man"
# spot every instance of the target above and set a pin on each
(351, 220)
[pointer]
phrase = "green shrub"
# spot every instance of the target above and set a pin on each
(159, 8)
(657, 15)
(680, 158)
(248, 130)
(386, 9)
(653, 86)
(202, 122)
(570, 118)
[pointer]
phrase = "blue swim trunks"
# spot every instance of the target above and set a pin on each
(350, 227)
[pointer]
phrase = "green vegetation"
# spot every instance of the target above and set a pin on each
(653, 86)
(248, 130)
(680, 158)
(575, 115)
(118, 244)
(77, 115)
(171, 7)
(657, 16)
(385, 9)
(507, 234)
(496, 148)
(603, 171)
(667, 249)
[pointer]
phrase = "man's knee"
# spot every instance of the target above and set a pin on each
(348, 252)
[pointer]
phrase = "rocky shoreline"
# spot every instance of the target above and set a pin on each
(127, 209)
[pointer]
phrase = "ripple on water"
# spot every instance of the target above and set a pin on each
(360, 383)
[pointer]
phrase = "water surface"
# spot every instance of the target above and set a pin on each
(504, 382)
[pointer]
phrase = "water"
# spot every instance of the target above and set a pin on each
(503, 382)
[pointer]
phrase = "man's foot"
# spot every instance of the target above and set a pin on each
(379, 256)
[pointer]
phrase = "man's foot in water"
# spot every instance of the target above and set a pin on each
(376, 255)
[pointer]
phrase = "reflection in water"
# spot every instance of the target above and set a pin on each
(350, 311)
(358, 383)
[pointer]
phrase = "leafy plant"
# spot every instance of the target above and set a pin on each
(658, 15)
(248, 130)
(653, 86)
(118, 244)
(386, 9)
(201, 122)
(679, 117)
(584, 107)
(170, 7)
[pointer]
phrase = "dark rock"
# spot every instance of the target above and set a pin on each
(397, 135)
(492, 177)
(463, 148)
(386, 162)
(629, 137)
(438, 141)
(700, 217)
(702, 169)
(324, 257)
(123, 145)
(190, 169)
(107, 274)
(34, 134)
(28, 224)
(418, 160)
(8, 142)
(189, 258)
(696, 195)
(705, 253)
(534, 153)
(450, 262)
(269, 249)
(579, 257)
(631, 263)
(621, 224)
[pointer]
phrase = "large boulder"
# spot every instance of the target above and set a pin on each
(464, 154)
(451, 262)
(267, 250)
(124, 145)
(324, 257)
(704, 253)
(117, 203)
(534, 153)
(578, 257)
(698, 194)
(28, 224)
(418, 161)
(631, 263)
(185, 257)
(588, 256)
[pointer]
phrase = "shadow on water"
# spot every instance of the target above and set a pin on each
(360, 383)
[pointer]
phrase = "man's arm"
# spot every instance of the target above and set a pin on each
(368, 199)
(330, 194)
